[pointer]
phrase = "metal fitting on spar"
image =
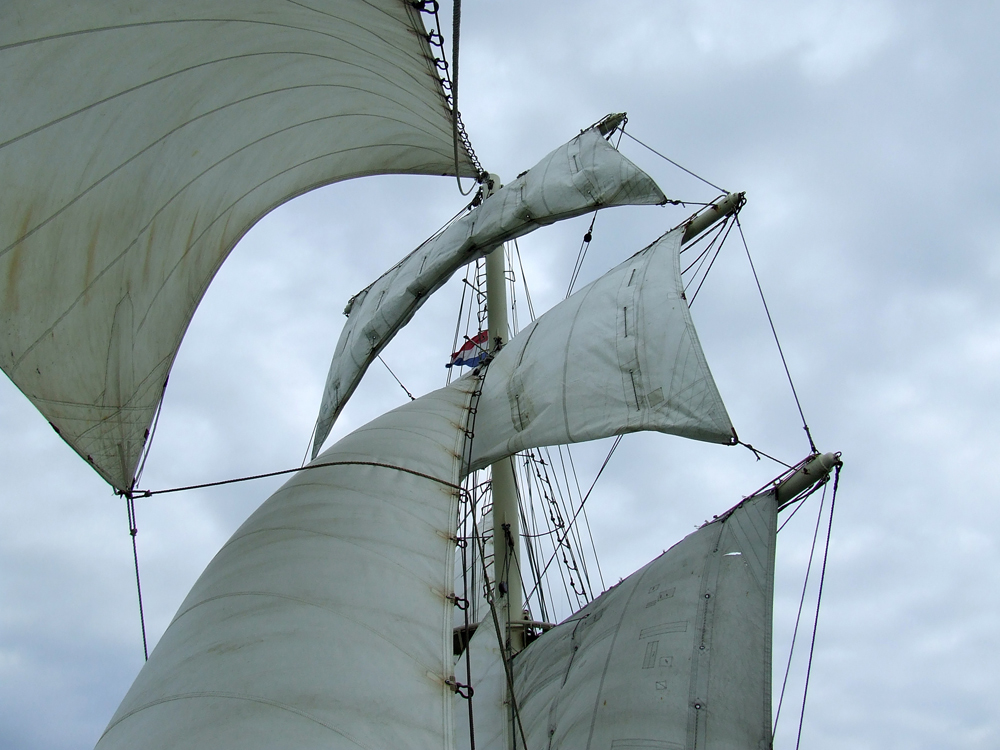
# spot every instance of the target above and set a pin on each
(817, 469)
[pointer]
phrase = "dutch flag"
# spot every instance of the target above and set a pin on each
(473, 351)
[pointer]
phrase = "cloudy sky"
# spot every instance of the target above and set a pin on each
(864, 134)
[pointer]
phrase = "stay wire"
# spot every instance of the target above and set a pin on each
(282, 472)
(581, 255)
(412, 397)
(758, 453)
(683, 169)
(583, 501)
(798, 617)
(819, 598)
(774, 332)
(133, 530)
(725, 236)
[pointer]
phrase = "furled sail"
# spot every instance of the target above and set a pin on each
(619, 355)
(678, 655)
(326, 620)
(582, 175)
(140, 140)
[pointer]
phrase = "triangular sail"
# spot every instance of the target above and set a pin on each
(326, 620)
(619, 355)
(678, 655)
(139, 141)
(580, 176)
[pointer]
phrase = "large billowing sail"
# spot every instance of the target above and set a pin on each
(140, 140)
(582, 175)
(678, 655)
(620, 355)
(326, 620)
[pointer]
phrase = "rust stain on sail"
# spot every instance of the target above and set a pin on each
(11, 302)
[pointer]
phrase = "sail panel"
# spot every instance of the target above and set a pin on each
(491, 709)
(678, 655)
(325, 620)
(619, 355)
(580, 176)
(146, 139)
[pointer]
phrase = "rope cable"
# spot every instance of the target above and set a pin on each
(819, 598)
(456, 25)
(728, 228)
(774, 332)
(405, 389)
(584, 500)
(683, 169)
(581, 255)
(798, 617)
(133, 530)
(282, 472)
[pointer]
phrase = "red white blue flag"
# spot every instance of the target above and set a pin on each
(473, 351)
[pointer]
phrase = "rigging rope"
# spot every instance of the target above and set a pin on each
(798, 617)
(412, 397)
(251, 477)
(774, 332)
(683, 169)
(584, 247)
(133, 530)
(758, 453)
(456, 24)
(449, 84)
(583, 502)
(819, 598)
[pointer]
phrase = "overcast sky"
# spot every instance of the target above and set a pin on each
(865, 136)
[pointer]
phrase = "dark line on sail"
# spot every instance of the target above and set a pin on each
(221, 482)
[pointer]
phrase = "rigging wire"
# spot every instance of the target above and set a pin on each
(449, 82)
(667, 158)
(758, 453)
(133, 530)
(585, 497)
(456, 26)
(728, 226)
(412, 397)
(774, 332)
(584, 247)
(586, 518)
(819, 597)
(802, 599)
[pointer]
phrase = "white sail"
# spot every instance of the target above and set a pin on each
(620, 355)
(580, 176)
(140, 140)
(676, 656)
(491, 706)
(326, 620)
